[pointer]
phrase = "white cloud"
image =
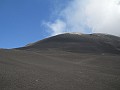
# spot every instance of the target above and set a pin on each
(57, 27)
(103, 16)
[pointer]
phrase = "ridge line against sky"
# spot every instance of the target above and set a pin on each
(26, 21)
(87, 16)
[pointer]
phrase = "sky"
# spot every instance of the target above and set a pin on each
(26, 21)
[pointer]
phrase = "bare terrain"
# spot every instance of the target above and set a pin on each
(63, 62)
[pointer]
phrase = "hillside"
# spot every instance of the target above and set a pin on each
(75, 42)
(69, 61)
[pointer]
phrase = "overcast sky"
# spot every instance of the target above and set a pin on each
(26, 21)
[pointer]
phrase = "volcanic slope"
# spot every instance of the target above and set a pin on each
(75, 42)
(69, 61)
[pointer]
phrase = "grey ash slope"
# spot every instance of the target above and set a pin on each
(75, 42)
(63, 62)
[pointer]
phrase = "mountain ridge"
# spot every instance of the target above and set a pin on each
(95, 43)
(63, 62)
